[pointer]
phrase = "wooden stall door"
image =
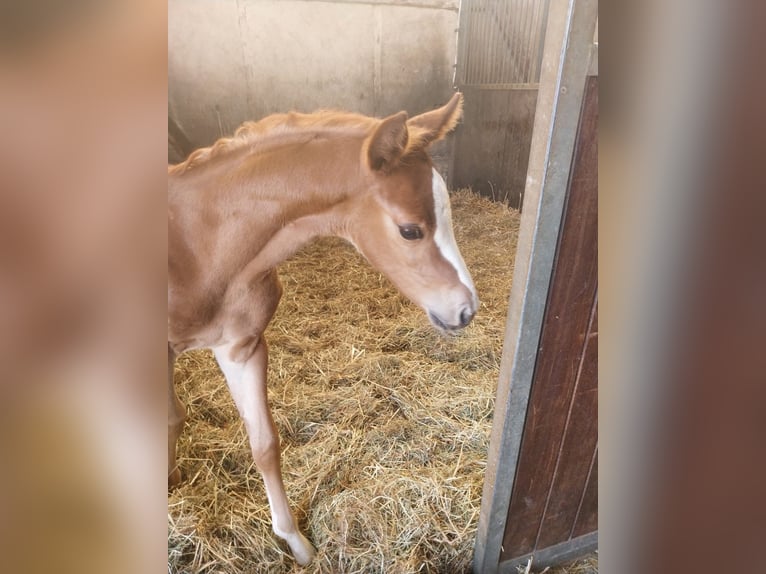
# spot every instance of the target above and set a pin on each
(554, 501)
(540, 492)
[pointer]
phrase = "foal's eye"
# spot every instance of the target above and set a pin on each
(410, 232)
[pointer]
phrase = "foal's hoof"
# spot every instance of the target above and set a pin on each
(174, 478)
(302, 549)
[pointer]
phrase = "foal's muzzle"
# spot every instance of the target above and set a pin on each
(466, 315)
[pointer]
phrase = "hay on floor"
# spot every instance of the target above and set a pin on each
(585, 565)
(384, 423)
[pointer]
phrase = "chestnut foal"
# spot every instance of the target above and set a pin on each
(239, 208)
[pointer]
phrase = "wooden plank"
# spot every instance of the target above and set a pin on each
(553, 555)
(587, 516)
(581, 436)
(562, 341)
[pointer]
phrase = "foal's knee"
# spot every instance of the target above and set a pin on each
(266, 452)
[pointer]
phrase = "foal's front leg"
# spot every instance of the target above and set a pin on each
(247, 383)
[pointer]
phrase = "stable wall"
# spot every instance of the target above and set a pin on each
(236, 60)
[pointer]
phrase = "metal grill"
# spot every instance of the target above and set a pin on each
(500, 43)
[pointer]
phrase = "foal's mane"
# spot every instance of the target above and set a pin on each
(323, 122)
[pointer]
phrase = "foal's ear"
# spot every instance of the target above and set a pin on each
(388, 142)
(436, 124)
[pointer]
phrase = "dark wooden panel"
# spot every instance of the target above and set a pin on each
(552, 556)
(492, 143)
(562, 343)
(587, 517)
(579, 444)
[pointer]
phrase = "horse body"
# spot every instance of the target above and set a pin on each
(238, 209)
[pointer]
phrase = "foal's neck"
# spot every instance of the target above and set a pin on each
(261, 206)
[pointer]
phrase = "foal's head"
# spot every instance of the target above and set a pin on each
(404, 225)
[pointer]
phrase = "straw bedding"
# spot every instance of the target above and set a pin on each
(384, 423)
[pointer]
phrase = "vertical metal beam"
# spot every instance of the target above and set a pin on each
(568, 40)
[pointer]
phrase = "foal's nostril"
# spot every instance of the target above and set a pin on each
(465, 317)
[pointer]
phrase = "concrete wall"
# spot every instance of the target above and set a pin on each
(234, 60)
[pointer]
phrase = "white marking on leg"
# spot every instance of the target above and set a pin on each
(247, 383)
(445, 236)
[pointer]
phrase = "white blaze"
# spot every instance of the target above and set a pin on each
(445, 237)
